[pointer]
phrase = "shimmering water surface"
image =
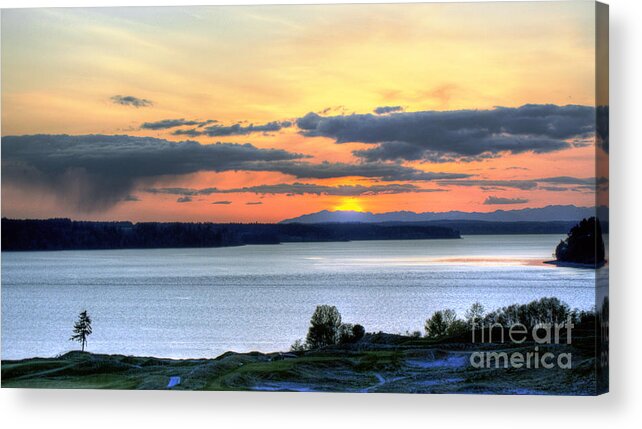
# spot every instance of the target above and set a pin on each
(202, 302)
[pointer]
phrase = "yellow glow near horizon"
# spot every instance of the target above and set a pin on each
(349, 204)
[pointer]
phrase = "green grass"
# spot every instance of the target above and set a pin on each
(389, 364)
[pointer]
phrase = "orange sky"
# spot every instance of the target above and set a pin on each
(61, 69)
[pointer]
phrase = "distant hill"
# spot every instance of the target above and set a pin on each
(545, 214)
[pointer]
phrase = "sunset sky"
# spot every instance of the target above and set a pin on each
(269, 112)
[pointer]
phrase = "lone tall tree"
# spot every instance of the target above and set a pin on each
(324, 327)
(82, 329)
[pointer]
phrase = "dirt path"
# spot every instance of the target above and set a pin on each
(173, 381)
(380, 383)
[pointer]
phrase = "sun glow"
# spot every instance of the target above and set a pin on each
(349, 204)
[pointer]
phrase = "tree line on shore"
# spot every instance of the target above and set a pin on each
(65, 234)
(326, 327)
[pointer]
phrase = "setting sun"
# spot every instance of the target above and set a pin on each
(349, 204)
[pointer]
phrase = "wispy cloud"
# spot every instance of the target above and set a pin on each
(173, 123)
(130, 100)
(543, 183)
(382, 110)
(301, 189)
(500, 200)
(235, 129)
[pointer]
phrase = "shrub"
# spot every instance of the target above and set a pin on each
(298, 346)
(349, 333)
(358, 332)
(345, 333)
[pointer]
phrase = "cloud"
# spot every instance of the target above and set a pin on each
(499, 200)
(253, 203)
(380, 170)
(130, 100)
(567, 180)
(184, 200)
(459, 135)
(173, 123)
(382, 110)
(300, 189)
(191, 132)
(517, 184)
(528, 184)
(93, 172)
(235, 130)
(131, 198)
(587, 184)
(340, 190)
(554, 188)
(222, 202)
(183, 191)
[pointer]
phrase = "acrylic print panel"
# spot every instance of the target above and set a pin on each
(405, 198)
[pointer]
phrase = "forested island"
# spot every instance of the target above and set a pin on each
(65, 234)
(583, 245)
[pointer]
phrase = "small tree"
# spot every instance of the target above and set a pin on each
(324, 327)
(439, 323)
(82, 329)
(475, 313)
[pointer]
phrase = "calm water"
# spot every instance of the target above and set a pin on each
(202, 302)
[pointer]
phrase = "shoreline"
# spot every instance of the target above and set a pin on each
(575, 264)
(238, 245)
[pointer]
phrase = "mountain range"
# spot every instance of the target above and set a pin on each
(543, 214)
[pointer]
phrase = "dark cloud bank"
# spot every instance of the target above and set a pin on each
(94, 172)
(459, 135)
